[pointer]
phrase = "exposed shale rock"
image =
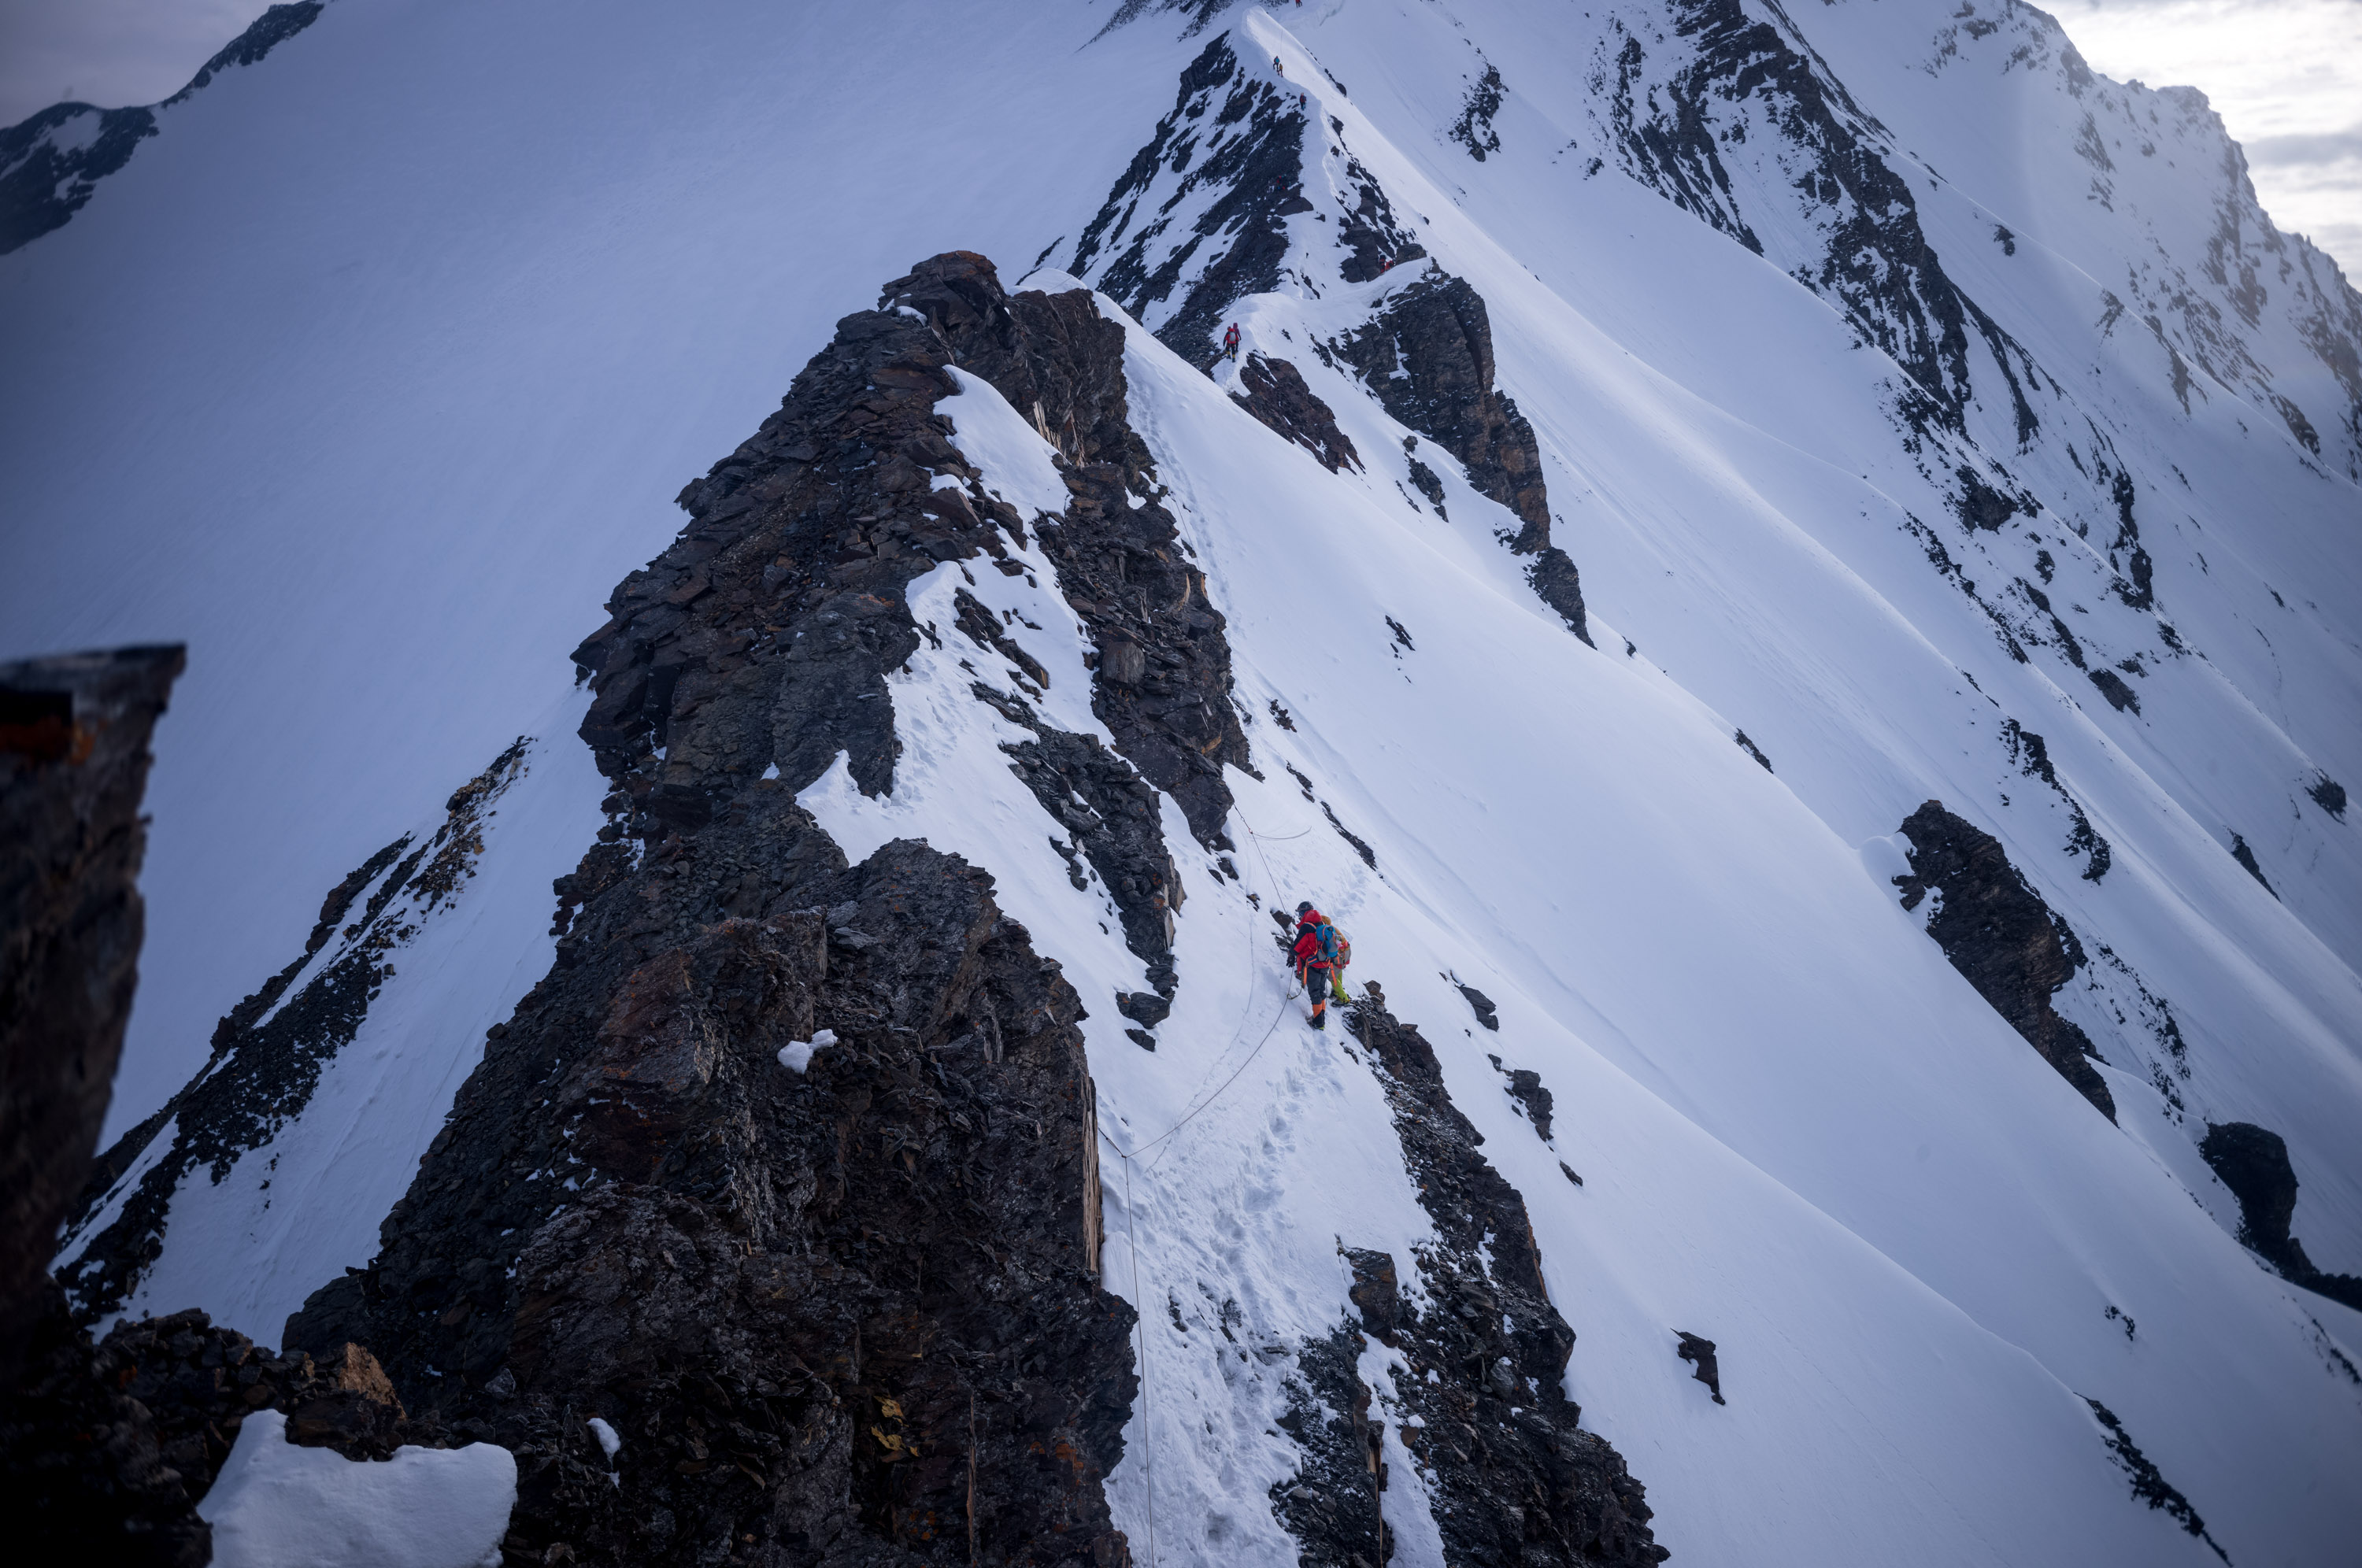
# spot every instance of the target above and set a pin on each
(1526, 1089)
(73, 765)
(262, 1070)
(2149, 1484)
(787, 1171)
(2002, 937)
(1276, 395)
(1230, 137)
(1109, 813)
(106, 1450)
(1163, 680)
(838, 1311)
(2253, 1162)
(1699, 1353)
(1428, 356)
(762, 636)
(1516, 1477)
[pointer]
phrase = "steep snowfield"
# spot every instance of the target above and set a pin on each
(349, 1111)
(404, 403)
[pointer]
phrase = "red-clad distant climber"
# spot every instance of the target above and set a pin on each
(1319, 955)
(1231, 342)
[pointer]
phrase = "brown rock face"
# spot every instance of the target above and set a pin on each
(1278, 396)
(762, 636)
(834, 1314)
(1515, 1476)
(841, 1305)
(106, 1450)
(2253, 1162)
(1999, 935)
(1164, 673)
(1428, 356)
(73, 764)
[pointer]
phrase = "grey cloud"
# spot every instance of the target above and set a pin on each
(2320, 147)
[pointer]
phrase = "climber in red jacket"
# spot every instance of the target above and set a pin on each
(1317, 957)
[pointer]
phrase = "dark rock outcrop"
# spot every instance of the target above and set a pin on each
(1278, 396)
(1515, 1478)
(73, 765)
(1428, 357)
(834, 1309)
(2002, 937)
(1554, 577)
(787, 1171)
(1332, 1504)
(1163, 686)
(51, 166)
(82, 1475)
(2032, 755)
(1373, 238)
(2253, 1162)
(106, 1450)
(1474, 129)
(1111, 817)
(1699, 1353)
(762, 636)
(1526, 1088)
(2328, 794)
(2245, 856)
(2149, 1484)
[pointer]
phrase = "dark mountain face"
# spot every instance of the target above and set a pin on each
(789, 1170)
(73, 765)
(767, 1227)
(52, 162)
(2002, 937)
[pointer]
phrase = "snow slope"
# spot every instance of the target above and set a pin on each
(425, 395)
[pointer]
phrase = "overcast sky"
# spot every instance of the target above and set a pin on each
(2285, 75)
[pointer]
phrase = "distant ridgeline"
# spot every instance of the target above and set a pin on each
(51, 161)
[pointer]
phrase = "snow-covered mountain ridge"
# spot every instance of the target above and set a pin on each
(1895, 435)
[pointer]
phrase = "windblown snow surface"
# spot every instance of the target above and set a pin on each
(377, 367)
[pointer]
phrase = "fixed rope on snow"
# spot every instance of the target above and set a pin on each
(1130, 1230)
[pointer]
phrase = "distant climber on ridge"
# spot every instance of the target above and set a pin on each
(1231, 342)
